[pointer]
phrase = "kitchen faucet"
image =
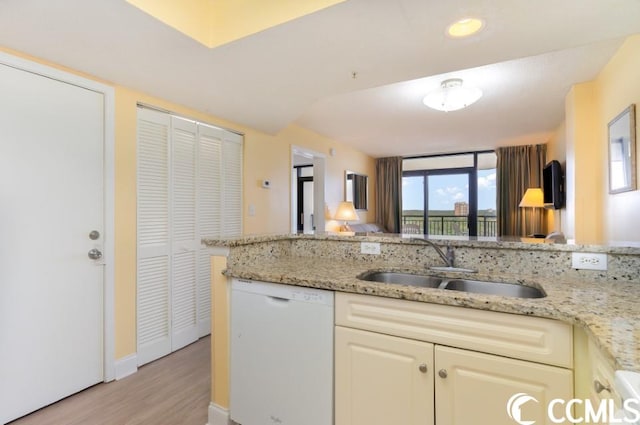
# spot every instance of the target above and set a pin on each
(448, 258)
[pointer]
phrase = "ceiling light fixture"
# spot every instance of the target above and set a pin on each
(465, 27)
(451, 96)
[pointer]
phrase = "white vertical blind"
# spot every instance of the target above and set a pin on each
(189, 187)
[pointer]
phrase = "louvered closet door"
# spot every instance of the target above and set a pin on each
(232, 196)
(220, 203)
(153, 286)
(189, 187)
(210, 214)
(184, 232)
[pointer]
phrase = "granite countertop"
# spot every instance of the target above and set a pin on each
(607, 311)
(510, 242)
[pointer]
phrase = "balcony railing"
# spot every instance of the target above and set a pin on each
(450, 225)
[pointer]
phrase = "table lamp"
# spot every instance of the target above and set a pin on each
(533, 198)
(346, 213)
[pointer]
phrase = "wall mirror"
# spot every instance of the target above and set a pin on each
(357, 189)
(622, 152)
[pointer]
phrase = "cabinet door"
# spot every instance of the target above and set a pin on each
(474, 387)
(382, 380)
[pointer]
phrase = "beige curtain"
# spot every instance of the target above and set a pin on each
(389, 193)
(360, 192)
(519, 168)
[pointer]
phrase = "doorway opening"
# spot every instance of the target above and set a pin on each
(307, 191)
(305, 222)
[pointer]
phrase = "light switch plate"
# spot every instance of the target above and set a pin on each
(370, 248)
(588, 261)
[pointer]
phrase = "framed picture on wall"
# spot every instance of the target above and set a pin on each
(622, 151)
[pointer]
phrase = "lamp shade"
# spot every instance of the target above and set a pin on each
(533, 198)
(346, 212)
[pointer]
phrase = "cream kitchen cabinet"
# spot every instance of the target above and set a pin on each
(594, 380)
(472, 387)
(395, 358)
(382, 379)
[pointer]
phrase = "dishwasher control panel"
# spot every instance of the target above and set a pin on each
(285, 292)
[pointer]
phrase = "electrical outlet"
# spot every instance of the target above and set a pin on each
(588, 261)
(370, 248)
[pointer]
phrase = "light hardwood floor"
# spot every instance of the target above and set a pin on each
(173, 390)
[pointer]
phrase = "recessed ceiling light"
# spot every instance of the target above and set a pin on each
(465, 27)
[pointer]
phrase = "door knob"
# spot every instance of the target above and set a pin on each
(423, 368)
(94, 234)
(95, 254)
(442, 373)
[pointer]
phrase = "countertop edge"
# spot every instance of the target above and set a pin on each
(493, 243)
(526, 307)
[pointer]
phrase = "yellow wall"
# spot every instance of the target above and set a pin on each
(125, 224)
(269, 158)
(220, 336)
(265, 157)
(583, 170)
(593, 215)
(619, 86)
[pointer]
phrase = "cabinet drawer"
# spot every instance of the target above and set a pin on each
(511, 335)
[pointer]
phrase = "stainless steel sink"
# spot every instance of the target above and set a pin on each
(463, 285)
(402, 278)
(494, 288)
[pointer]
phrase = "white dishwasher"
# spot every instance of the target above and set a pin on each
(281, 354)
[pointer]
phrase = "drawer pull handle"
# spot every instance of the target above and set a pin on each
(599, 387)
(423, 368)
(442, 373)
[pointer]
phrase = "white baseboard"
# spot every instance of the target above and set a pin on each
(219, 415)
(126, 366)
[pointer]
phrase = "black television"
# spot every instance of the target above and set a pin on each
(553, 185)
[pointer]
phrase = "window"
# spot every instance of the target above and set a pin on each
(452, 195)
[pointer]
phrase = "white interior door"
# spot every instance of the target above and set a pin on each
(51, 198)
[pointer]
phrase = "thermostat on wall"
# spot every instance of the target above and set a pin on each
(266, 184)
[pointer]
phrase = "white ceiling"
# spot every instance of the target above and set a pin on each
(525, 60)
